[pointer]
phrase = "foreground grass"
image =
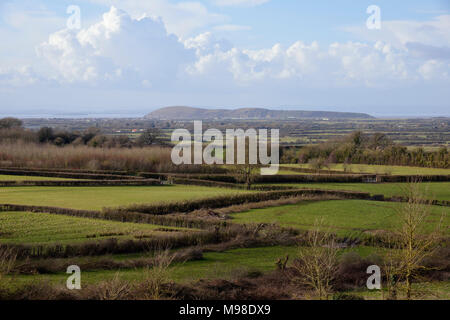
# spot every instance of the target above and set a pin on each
(349, 218)
(380, 169)
(95, 198)
(431, 190)
(5, 177)
(215, 265)
(44, 228)
(424, 291)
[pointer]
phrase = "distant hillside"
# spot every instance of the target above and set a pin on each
(189, 113)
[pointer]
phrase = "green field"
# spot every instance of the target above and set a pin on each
(5, 177)
(431, 190)
(45, 228)
(225, 265)
(426, 290)
(351, 218)
(95, 198)
(379, 169)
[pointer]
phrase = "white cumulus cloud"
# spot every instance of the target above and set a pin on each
(116, 48)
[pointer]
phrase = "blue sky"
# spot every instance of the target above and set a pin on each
(132, 56)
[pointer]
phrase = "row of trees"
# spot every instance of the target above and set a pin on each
(368, 149)
(11, 130)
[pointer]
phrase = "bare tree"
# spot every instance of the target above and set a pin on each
(149, 137)
(317, 264)
(157, 275)
(412, 242)
(245, 173)
(7, 261)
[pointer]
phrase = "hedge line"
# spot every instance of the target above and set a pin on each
(349, 178)
(409, 178)
(205, 183)
(113, 246)
(210, 177)
(111, 172)
(312, 178)
(225, 201)
(307, 170)
(120, 216)
(218, 184)
(81, 183)
(59, 174)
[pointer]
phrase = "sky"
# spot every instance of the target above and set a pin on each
(134, 56)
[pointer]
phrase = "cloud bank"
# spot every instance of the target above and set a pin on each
(142, 52)
(134, 52)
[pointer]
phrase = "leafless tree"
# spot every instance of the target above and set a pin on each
(7, 261)
(412, 242)
(245, 173)
(317, 264)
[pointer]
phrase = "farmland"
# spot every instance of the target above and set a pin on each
(95, 198)
(214, 265)
(5, 177)
(347, 218)
(431, 190)
(208, 232)
(379, 169)
(44, 228)
(359, 220)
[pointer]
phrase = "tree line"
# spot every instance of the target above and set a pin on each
(11, 130)
(361, 148)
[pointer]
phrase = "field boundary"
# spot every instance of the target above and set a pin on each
(119, 216)
(318, 171)
(224, 201)
(69, 175)
(80, 183)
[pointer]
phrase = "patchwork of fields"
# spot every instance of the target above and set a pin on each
(220, 258)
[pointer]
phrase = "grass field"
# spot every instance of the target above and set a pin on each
(94, 198)
(424, 290)
(350, 218)
(432, 190)
(5, 177)
(44, 228)
(378, 169)
(225, 265)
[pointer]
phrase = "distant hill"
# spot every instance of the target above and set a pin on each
(189, 113)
